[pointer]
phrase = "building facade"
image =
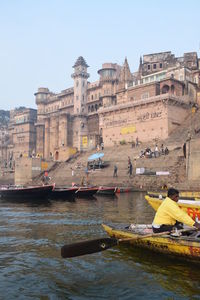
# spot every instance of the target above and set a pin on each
(22, 133)
(120, 106)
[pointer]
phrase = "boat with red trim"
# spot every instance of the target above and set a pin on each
(107, 191)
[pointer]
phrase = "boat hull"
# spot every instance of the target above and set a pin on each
(109, 191)
(192, 208)
(63, 193)
(84, 192)
(26, 193)
(181, 247)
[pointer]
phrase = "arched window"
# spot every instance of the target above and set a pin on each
(165, 89)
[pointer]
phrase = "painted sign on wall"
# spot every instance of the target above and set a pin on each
(84, 141)
(128, 129)
(44, 165)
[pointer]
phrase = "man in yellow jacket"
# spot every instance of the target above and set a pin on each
(169, 213)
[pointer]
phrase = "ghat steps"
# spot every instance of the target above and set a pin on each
(174, 162)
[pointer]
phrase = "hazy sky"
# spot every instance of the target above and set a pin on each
(41, 39)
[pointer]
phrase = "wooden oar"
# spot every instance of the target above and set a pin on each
(97, 245)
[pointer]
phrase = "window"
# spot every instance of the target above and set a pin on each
(181, 77)
(83, 98)
(145, 95)
(160, 65)
(154, 66)
(149, 67)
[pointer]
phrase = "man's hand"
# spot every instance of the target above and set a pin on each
(197, 225)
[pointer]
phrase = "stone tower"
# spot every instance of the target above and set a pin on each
(80, 124)
(80, 77)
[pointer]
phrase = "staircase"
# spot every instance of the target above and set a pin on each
(174, 162)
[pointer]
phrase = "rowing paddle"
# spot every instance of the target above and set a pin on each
(97, 245)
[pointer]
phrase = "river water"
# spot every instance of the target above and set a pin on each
(31, 235)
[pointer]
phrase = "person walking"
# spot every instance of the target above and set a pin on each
(130, 169)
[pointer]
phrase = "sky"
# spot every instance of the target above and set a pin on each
(41, 39)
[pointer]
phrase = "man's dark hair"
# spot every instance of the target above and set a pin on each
(172, 192)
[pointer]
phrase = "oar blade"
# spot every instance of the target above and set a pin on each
(87, 247)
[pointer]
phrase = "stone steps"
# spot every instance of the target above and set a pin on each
(62, 175)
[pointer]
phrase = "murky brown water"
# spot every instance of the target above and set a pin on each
(31, 267)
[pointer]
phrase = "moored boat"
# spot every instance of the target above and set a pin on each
(106, 190)
(86, 192)
(187, 245)
(125, 190)
(25, 192)
(63, 193)
(185, 195)
(192, 208)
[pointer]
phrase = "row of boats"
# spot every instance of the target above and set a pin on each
(183, 243)
(52, 192)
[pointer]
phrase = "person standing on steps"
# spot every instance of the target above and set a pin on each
(115, 171)
(46, 178)
(130, 169)
(137, 142)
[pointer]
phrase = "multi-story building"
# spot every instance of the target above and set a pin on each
(120, 106)
(22, 132)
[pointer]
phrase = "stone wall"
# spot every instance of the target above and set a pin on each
(193, 159)
(25, 169)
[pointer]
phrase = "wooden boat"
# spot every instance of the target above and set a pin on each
(125, 190)
(25, 193)
(192, 208)
(96, 165)
(186, 246)
(185, 195)
(63, 193)
(86, 192)
(106, 190)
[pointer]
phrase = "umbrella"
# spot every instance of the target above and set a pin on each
(95, 156)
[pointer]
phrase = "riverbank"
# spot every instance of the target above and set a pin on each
(148, 173)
